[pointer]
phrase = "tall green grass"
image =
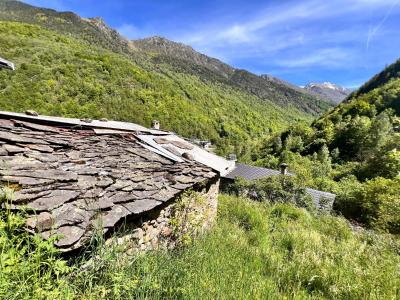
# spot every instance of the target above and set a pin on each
(255, 251)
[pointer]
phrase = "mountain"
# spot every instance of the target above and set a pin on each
(73, 66)
(380, 93)
(185, 58)
(328, 90)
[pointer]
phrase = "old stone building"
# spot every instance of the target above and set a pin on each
(77, 177)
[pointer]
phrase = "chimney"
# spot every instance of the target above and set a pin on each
(283, 167)
(155, 124)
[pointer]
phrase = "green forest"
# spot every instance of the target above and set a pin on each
(352, 150)
(62, 76)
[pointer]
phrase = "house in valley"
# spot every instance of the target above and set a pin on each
(320, 199)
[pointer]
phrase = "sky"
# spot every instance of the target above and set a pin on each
(342, 41)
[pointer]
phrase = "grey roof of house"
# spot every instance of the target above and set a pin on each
(6, 64)
(322, 200)
(71, 180)
(250, 172)
(162, 142)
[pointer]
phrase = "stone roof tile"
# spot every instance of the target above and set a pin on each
(74, 179)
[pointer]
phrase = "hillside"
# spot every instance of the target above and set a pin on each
(255, 251)
(185, 58)
(327, 90)
(49, 78)
(171, 55)
(377, 95)
(352, 150)
(177, 85)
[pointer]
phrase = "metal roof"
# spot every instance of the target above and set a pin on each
(318, 198)
(250, 172)
(170, 145)
(321, 200)
(6, 64)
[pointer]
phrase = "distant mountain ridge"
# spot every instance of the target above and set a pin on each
(138, 81)
(328, 90)
(170, 48)
(277, 90)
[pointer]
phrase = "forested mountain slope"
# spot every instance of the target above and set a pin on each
(67, 65)
(380, 93)
(181, 58)
(352, 150)
(61, 75)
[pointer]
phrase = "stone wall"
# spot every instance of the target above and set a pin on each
(175, 224)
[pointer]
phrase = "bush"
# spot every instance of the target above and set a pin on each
(280, 188)
(30, 267)
(375, 203)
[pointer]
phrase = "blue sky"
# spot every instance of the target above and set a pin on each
(342, 41)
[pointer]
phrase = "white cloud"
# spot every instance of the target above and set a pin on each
(129, 31)
(374, 31)
(330, 57)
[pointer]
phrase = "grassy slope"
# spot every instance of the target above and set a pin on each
(60, 75)
(255, 251)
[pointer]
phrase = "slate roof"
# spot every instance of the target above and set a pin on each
(72, 180)
(321, 200)
(252, 173)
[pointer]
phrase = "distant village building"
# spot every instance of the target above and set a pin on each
(323, 200)
(5, 64)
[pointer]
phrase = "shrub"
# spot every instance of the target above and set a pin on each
(280, 188)
(30, 267)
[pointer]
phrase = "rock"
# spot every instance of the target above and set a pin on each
(11, 149)
(31, 113)
(28, 180)
(37, 127)
(114, 215)
(142, 205)
(138, 234)
(70, 214)
(104, 182)
(43, 221)
(3, 152)
(58, 175)
(41, 148)
(69, 235)
(53, 200)
(19, 138)
(182, 145)
(161, 140)
(104, 120)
